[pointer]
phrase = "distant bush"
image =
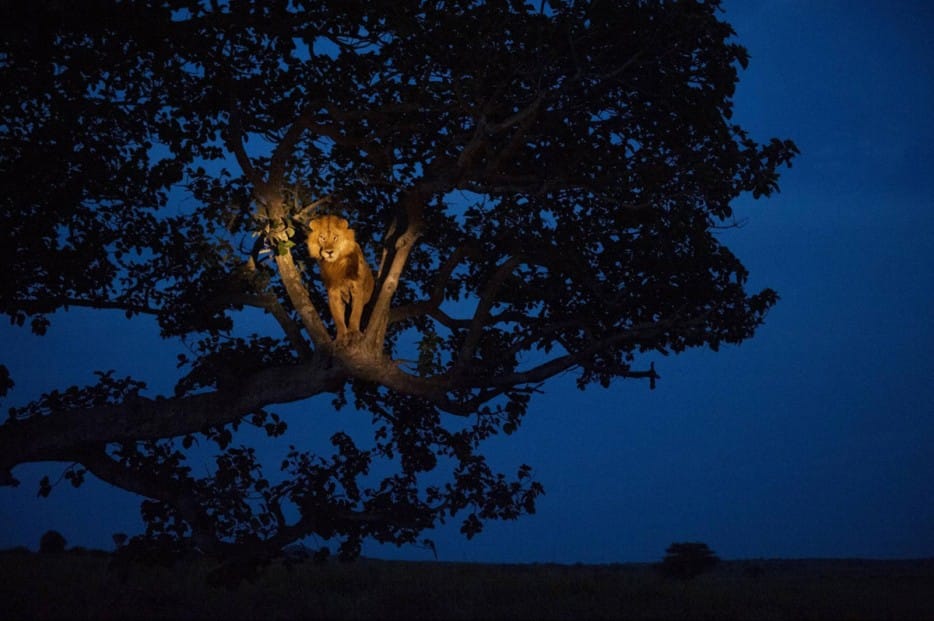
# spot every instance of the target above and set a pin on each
(52, 542)
(687, 560)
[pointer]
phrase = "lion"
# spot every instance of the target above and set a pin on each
(346, 275)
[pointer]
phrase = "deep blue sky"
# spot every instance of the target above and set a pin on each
(814, 439)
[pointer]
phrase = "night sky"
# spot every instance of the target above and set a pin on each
(813, 439)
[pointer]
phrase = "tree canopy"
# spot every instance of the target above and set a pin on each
(537, 188)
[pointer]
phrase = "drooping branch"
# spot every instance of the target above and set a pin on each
(175, 491)
(180, 494)
(51, 303)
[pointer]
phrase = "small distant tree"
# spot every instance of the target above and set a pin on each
(52, 542)
(688, 560)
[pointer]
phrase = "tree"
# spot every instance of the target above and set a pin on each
(537, 188)
(688, 560)
(52, 542)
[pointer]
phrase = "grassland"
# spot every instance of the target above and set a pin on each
(80, 586)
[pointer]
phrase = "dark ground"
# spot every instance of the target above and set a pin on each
(79, 585)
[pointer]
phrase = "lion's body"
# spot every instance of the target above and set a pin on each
(346, 275)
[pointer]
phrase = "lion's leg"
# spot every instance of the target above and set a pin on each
(356, 311)
(337, 312)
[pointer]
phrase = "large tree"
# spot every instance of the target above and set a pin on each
(537, 187)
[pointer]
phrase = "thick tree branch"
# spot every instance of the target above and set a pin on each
(379, 318)
(48, 437)
(413, 203)
(271, 303)
(298, 294)
(291, 278)
(523, 117)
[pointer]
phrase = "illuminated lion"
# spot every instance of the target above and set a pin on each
(346, 275)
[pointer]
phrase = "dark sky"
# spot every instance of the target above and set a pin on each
(813, 439)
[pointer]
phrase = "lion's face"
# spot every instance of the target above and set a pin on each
(330, 239)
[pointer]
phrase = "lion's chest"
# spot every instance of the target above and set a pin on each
(341, 274)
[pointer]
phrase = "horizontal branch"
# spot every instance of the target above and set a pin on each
(431, 309)
(50, 304)
(55, 436)
(578, 358)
